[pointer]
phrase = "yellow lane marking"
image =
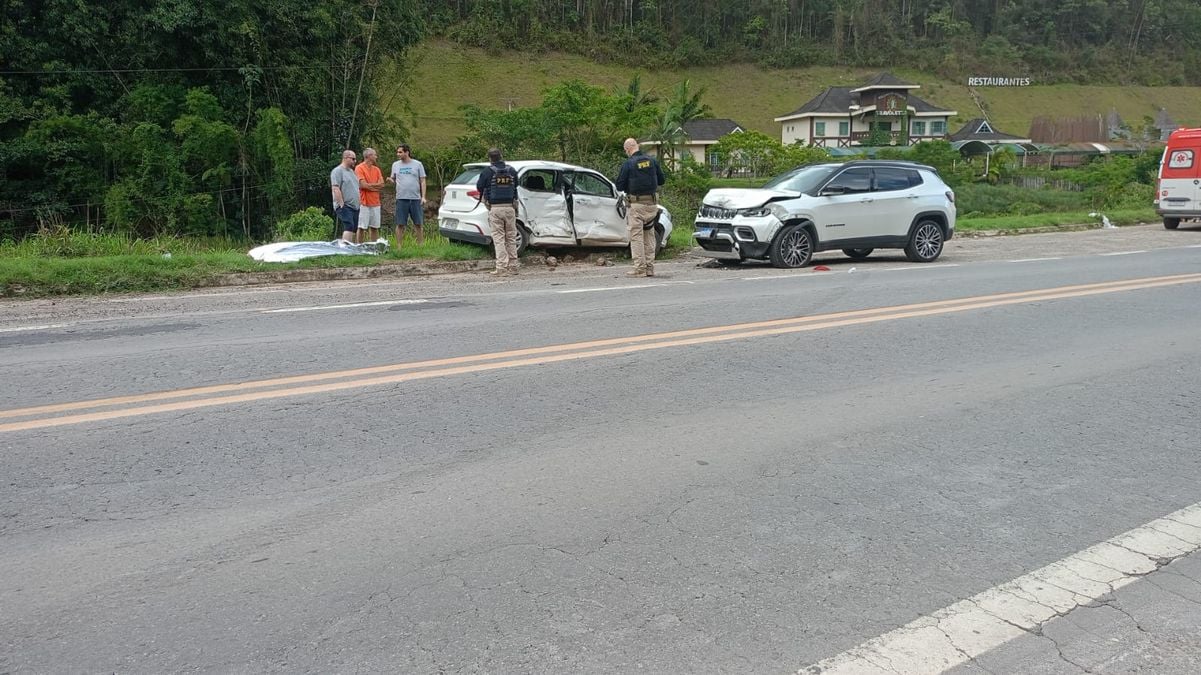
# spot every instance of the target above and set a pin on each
(681, 338)
(435, 363)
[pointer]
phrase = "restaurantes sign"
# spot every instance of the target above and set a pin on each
(998, 82)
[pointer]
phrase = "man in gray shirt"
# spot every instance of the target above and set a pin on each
(409, 176)
(345, 186)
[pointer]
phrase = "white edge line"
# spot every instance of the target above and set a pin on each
(28, 328)
(608, 288)
(958, 633)
(1026, 260)
(1122, 253)
(346, 306)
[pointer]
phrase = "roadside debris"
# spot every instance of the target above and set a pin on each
(291, 251)
(552, 262)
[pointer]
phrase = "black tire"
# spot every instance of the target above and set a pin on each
(1171, 223)
(925, 244)
(523, 239)
(660, 243)
(792, 248)
(857, 253)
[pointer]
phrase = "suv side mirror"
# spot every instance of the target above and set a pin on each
(832, 190)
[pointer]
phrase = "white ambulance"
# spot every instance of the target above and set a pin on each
(1178, 191)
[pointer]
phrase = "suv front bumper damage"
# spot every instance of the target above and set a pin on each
(731, 241)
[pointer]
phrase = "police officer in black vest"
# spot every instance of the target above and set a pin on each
(497, 186)
(640, 178)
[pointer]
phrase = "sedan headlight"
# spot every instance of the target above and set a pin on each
(757, 212)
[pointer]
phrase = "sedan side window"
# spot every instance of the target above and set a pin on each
(539, 180)
(591, 184)
(853, 181)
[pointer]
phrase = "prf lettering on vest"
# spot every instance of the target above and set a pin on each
(644, 164)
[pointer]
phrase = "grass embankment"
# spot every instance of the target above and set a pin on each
(445, 76)
(88, 264)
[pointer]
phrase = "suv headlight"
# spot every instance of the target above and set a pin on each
(757, 212)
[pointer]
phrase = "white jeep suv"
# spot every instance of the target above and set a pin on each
(857, 206)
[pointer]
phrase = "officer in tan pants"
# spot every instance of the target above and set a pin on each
(640, 178)
(497, 186)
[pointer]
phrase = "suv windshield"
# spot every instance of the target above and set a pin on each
(805, 179)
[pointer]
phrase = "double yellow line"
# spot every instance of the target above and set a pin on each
(46, 416)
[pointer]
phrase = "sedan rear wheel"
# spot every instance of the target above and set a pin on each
(523, 239)
(792, 248)
(926, 243)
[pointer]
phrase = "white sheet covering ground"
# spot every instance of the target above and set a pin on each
(291, 251)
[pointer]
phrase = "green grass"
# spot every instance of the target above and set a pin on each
(71, 263)
(1016, 223)
(445, 76)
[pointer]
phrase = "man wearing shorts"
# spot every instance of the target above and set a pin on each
(409, 176)
(370, 182)
(345, 186)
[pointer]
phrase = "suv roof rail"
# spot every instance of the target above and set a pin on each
(892, 162)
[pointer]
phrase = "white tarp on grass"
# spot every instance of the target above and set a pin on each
(291, 251)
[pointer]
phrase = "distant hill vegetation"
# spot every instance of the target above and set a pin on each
(441, 76)
(1121, 42)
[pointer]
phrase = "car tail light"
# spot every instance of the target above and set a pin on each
(951, 196)
(474, 194)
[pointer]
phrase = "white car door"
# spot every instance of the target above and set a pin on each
(594, 209)
(842, 205)
(544, 207)
(897, 200)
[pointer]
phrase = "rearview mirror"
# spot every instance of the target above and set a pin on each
(831, 190)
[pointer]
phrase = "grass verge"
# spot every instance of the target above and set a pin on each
(1017, 223)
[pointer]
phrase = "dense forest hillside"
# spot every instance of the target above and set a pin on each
(1085, 41)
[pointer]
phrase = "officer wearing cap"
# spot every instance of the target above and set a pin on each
(497, 186)
(640, 178)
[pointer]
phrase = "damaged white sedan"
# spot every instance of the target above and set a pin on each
(557, 205)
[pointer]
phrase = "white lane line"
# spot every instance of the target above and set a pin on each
(960, 632)
(609, 288)
(1025, 260)
(28, 328)
(188, 296)
(381, 303)
(917, 267)
(1123, 253)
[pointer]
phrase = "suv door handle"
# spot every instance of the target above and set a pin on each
(865, 200)
(913, 196)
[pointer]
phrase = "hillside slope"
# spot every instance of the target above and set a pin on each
(446, 76)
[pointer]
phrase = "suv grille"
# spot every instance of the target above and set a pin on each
(716, 212)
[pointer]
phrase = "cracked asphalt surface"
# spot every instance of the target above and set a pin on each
(753, 505)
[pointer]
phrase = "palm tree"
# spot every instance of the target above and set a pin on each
(637, 97)
(688, 104)
(668, 133)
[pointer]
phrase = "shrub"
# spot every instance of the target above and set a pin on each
(311, 224)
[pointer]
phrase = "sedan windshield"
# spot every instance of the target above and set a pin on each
(806, 179)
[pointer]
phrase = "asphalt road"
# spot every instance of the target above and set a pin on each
(748, 470)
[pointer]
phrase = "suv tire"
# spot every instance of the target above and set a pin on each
(857, 253)
(925, 244)
(1171, 223)
(792, 247)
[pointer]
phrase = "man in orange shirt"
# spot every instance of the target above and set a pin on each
(371, 180)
